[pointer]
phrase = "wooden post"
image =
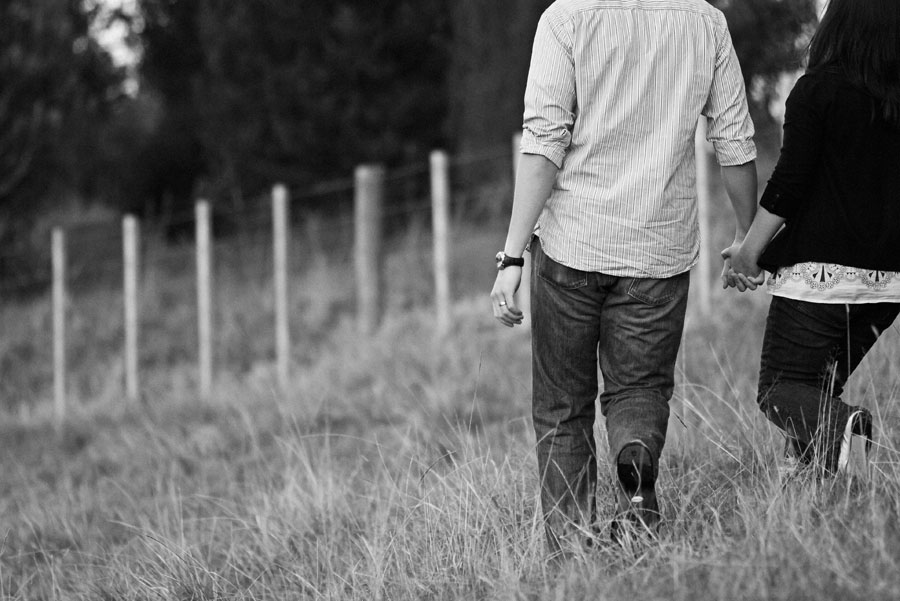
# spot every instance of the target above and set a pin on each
(204, 297)
(703, 158)
(523, 296)
(282, 324)
(440, 223)
(58, 252)
(368, 199)
(130, 244)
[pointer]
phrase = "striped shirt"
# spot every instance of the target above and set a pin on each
(615, 90)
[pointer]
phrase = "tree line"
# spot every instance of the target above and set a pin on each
(232, 96)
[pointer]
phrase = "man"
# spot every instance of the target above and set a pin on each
(607, 174)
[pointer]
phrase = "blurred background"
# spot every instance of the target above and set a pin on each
(142, 106)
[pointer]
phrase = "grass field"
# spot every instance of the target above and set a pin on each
(400, 466)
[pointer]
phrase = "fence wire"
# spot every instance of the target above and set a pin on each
(319, 215)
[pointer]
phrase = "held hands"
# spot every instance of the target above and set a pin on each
(503, 296)
(740, 270)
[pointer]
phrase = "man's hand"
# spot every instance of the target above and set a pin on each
(741, 258)
(503, 296)
(745, 265)
(740, 271)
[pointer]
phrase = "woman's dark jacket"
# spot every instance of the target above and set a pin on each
(837, 181)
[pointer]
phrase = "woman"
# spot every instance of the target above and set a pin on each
(835, 265)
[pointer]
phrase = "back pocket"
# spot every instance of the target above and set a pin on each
(559, 275)
(652, 291)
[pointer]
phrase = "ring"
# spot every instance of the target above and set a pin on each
(502, 303)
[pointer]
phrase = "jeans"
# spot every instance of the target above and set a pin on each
(809, 351)
(632, 328)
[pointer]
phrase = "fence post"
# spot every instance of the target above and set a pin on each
(523, 296)
(368, 199)
(130, 244)
(440, 221)
(58, 251)
(282, 325)
(703, 158)
(204, 296)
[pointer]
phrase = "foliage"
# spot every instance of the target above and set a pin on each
(296, 92)
(57, 85)
(770, 38)
(489, 66)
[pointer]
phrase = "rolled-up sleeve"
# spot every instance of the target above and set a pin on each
(550, 103)
(730, 128)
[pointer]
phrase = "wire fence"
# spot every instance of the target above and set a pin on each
(79, 283)
(205, 297)
(322, 215)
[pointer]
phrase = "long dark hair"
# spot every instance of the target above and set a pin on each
(861, 39)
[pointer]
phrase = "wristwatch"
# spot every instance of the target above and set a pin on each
(504, 261)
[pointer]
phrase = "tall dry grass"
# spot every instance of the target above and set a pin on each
(401, 466)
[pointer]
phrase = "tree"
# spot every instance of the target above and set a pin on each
(169, 157)
(55, 81)
(297, 92)
(490, 57)
(769, 37)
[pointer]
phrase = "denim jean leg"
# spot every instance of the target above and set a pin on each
(565, 322)
(809, 351)
(796, 367)
(640, 335)
(801, 343)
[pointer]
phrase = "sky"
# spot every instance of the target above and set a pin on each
(112, 34)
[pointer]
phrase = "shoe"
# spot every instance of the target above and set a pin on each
(856, 443)
(796, 461)
(638, 508)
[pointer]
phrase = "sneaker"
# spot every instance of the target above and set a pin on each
(856, 443)
(638, 508)
(796, 460)
(789, 468)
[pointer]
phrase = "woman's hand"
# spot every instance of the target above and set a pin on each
(744, 264)
(740, 270)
